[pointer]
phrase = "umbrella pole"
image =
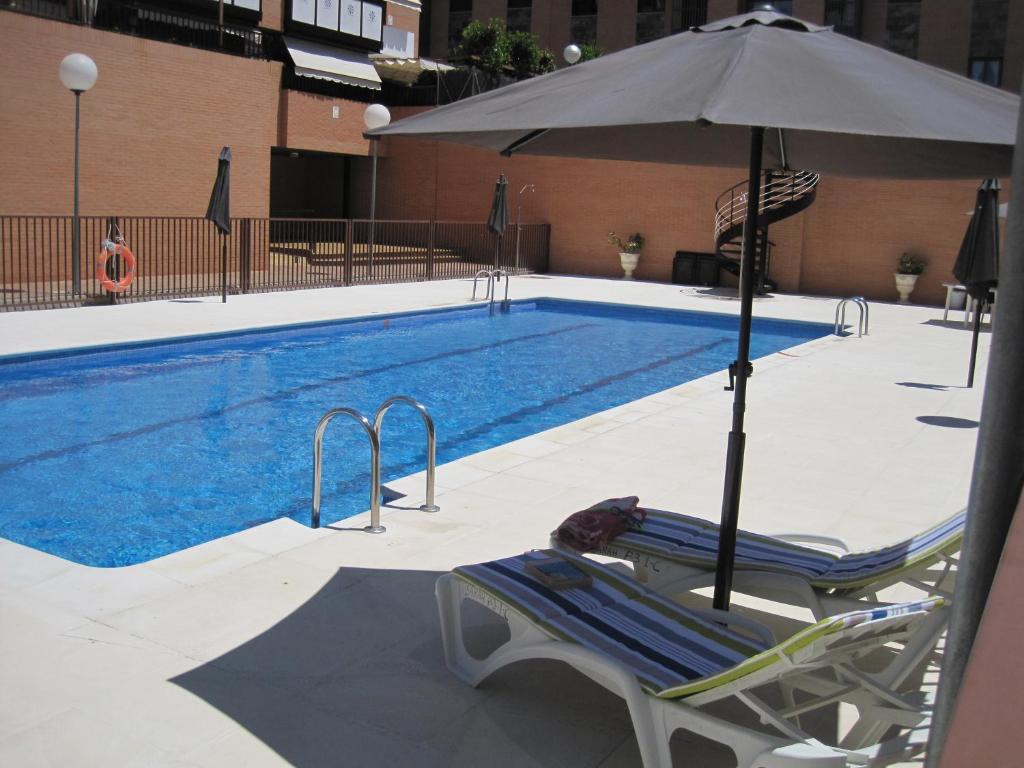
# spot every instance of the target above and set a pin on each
(223, 269)
(974, 342)
(737, 439)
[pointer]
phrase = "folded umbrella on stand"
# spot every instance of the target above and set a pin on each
(219, 212)
(498, 218)
(977, 263)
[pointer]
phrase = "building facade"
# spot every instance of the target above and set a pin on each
(284, 83)
(982, 39)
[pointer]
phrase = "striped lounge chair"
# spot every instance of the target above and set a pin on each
(668, 662)
(674, 553)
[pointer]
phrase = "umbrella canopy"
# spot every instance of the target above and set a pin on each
(807, 98)
(977, 263)
(219, 209)
(498, 219)
(833, 104)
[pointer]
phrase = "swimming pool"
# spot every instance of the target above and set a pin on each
(115, 457)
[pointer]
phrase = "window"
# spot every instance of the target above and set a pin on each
(650, 20)
(988, 41)
(781, 6)
(902, 23)
(986, 70)
(519, 15)
(688, 13)
(844, 16)
(583, 23)
(460, 13)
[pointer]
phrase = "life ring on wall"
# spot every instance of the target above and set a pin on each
(109, 250)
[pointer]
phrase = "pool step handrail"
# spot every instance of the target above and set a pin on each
(318, 444)
(429, 505)
(863, 317)
(490, 283)
(505, 305)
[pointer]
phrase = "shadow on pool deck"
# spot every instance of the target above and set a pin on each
(356, 676)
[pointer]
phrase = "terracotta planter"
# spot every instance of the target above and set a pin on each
(628, 262)
(904, 285)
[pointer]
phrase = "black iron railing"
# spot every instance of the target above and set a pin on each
(182, 256)
(154, 23)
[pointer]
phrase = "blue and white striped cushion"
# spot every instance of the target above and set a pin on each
(693, 541)
(864, 567)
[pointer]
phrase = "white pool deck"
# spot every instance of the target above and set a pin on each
(283, 645)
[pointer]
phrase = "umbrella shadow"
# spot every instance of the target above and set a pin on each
(922, 385)
(958, 324)
(952, 422)
(355, 675)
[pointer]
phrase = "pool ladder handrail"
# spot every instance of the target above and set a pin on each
(318, 468)
(429, 505)
(863, 317)
(490, 284)
(373, 433)
(504, 305)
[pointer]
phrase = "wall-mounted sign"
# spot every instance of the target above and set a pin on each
(350, 17)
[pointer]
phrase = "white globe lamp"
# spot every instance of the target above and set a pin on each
(572, 53)
(376, 116)
(78, 72)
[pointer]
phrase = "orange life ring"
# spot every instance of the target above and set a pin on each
(115, 249)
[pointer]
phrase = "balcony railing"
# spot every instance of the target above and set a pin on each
(181, 257)
(154, 23)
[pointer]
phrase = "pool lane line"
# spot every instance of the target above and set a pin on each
(55, 453)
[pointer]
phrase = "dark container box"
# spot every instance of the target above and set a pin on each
(692, 268)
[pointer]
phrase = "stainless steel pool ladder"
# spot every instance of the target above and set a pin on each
(490, 283)
(373, 433)
(863, 317)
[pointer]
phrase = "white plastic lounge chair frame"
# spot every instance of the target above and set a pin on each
(817, 661)
(827, 582)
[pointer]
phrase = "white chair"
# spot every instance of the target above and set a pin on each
(669, 662)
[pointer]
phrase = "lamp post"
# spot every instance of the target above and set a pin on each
(375, 116)
(78, 73)
(519, 218)
(572, 53)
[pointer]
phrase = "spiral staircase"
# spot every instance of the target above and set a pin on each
(783, 194)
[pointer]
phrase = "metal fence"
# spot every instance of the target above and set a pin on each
(179, 257)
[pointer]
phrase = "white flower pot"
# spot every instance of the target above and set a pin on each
(904, 285)
(628, 262)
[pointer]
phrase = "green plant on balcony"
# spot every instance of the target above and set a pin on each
(589, 51)
(487, 44)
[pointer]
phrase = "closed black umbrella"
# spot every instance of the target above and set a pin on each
(219, 212)
(977, 264)
(498, 219)
(762, 90)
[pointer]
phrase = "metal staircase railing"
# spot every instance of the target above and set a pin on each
(783, 193)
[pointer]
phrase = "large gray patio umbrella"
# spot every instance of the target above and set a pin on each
(977, 263)
(757, 90)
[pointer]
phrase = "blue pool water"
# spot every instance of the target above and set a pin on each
(116, 457)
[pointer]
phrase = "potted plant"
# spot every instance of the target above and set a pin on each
(629, 252)
(908, 269)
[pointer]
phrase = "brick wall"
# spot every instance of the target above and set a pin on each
(847, 243)
(404, 17)
(152, 126)
(307, 122)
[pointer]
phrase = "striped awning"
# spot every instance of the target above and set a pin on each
(325, 62)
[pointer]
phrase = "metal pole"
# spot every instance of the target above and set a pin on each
(373, 207)
(734, 455)
(519, 224)
(76, 254)
(997, 480)
(974, 341)
(220, 21)
(224, 269)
